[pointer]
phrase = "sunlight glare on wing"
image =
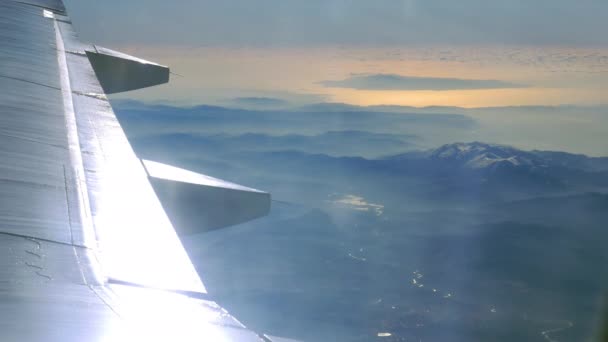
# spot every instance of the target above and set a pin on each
(138, 242)
(154, 315)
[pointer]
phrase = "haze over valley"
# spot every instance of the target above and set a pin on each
(386, 227)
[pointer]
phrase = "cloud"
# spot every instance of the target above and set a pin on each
(398, 82)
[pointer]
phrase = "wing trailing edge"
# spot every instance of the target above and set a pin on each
(196, 203)
(118, 72)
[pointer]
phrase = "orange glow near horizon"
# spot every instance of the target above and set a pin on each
(553, 76)
(468, 98)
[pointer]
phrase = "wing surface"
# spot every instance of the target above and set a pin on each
(86, 250)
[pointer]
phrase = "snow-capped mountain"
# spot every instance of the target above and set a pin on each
(477, 155)
(502, 169)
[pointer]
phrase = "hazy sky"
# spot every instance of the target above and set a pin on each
(409, 52)
(362, 22)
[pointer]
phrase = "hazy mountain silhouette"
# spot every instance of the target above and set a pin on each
(376, 232)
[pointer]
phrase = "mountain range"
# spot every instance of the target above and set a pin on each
(376, 231)
(481, 170)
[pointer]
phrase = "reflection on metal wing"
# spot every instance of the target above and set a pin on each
(197, 203)
(87, 252)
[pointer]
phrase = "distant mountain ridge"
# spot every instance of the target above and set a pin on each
(332, 143)
(478, 156)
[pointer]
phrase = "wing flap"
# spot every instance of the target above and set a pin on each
(197, 203)
(118, 72)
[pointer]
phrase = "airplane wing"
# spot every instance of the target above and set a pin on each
(88, 250)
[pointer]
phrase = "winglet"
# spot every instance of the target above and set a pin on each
(197, 203)
(118, 72)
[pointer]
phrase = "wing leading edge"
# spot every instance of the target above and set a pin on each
(86, 250)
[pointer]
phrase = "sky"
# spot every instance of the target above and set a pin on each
(469, 53)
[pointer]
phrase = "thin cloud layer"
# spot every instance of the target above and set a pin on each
(259, 102)
(398, 82)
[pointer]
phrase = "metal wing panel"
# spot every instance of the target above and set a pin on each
(43, 296)
(55, 5)
(32, 130)
(27, 45)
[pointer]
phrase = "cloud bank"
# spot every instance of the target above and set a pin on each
(398, 82)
